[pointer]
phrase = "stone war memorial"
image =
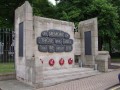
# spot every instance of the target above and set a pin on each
(49, 52)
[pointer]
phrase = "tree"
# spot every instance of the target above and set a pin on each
(117, 39)
(43, 8)
(7, 8)
(108, 21)
(70, 10)
(78, 10)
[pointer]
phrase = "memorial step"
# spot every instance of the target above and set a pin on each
(67, 75)
(66, 70)
(61, 72)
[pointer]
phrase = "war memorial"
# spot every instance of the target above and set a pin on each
(48, 51)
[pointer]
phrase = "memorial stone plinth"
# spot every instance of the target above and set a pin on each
(45, 48)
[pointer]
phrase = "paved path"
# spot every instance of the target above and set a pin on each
(13, 85)
(116, 64)
(99, 82)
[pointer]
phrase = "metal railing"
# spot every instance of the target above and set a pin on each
(7, 40)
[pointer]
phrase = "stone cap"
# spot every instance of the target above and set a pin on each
(88, 21)
(102, 58)
(103, 53)
(38, 18)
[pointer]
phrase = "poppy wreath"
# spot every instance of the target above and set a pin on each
(70, 61)
(51, 62)
(61, 61)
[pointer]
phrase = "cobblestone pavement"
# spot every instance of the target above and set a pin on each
(99, 82)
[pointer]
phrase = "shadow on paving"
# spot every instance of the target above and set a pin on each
(14, 85)
(114, 67)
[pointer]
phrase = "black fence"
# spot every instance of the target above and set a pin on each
(7, 45)
(7, 42)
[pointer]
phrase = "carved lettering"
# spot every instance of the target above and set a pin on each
(58, 41)
(43, 48)
(45, 40)
(51, 48)
(67, 41)
(67, 36)
(59, 48)
(56, 33)
(54, 41)
(68, 48)
(44, 34)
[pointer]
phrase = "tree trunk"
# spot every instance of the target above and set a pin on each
(100, 43)
(110, 46)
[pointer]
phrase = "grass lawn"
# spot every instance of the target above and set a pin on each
(115, 59)
(6, 68)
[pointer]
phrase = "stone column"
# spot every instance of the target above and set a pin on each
(77, 45)
(24, 61)
(89, 41)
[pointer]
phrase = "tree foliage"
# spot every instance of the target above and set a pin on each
(78, 10)
(43, 8)
(107, 11)
(115, 44)
(7, 7)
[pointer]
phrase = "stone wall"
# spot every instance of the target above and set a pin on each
(44, 24)
(89, 26)
(24, 16)
(77, 43)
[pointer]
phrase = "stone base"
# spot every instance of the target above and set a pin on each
(54, 77)
(57, 76)
(102, 63)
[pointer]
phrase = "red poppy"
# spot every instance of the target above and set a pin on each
(61, 61)
(70, 60)
(51, 62)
